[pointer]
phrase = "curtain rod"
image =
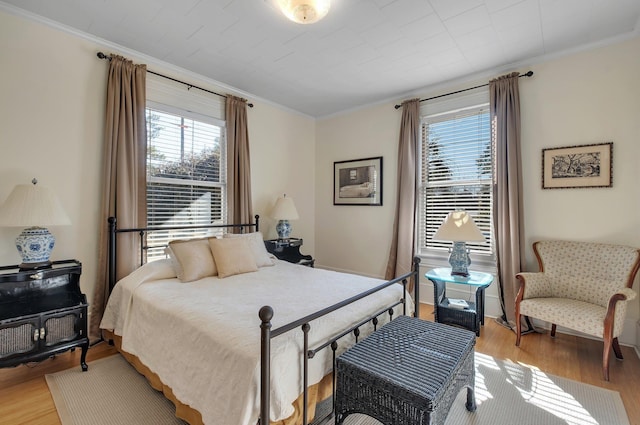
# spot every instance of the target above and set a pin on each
(528, 74)
(189, 85)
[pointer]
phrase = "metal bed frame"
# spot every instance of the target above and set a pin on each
(266, 313)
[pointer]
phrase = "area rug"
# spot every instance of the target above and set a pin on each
(113, 393)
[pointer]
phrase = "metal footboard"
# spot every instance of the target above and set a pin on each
(267, 334)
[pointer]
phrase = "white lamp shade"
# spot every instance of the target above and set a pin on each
(285, 209)
(30, 205)
(305, 11)
(458, 226)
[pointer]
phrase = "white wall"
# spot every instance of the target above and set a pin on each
(51, 122)
(584, 98)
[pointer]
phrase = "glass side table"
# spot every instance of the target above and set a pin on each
(472, 317)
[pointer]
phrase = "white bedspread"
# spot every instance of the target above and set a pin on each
(203, 338)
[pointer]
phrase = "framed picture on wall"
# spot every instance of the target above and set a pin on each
(358, 182)
(577, 166)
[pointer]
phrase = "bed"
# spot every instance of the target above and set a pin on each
(233, 348)
(362, 190)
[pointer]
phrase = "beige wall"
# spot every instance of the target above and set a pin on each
(282, 161)
(52, 97)
(584, 98)
(51, 122)
(356, 238)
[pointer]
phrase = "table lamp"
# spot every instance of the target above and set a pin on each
(459, 228)
(33, 207)
(284, 210)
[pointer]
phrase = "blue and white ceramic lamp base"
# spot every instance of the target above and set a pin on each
(34, 245)
(459, 259)
(284, 229)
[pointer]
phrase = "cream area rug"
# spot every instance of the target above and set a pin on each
(113, 393)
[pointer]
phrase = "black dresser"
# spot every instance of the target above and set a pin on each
(42, 313)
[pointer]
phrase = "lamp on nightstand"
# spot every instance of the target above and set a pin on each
(284, 211)
(460, 228)
(33, 207)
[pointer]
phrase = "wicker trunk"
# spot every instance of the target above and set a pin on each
(408, 372)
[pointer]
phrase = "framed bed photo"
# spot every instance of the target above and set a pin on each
(579, 166)
(358, 182)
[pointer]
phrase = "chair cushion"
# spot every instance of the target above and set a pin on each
(581, 316)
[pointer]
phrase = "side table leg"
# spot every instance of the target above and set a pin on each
(480, 302)
(471, 399)
(83, 357)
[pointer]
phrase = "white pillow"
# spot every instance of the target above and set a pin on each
(194, 259)
(256, 243)
(232, 256)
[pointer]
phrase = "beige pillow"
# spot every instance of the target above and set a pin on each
(256, 243)
(232, 256)
(194, 259)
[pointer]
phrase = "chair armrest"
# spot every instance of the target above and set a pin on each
(628, 294)
(622, 295)
(534, 285)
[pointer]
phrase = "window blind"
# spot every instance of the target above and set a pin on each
(186, 176)
(456, 174)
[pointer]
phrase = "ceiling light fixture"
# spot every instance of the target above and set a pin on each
(305, 11)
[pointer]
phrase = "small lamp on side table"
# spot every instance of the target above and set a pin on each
(33, 207)
(284, 210)
(459, 228)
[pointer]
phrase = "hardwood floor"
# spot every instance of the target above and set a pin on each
(25, 397)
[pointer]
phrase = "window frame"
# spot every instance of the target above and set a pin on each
(221, 184)
(438, 256)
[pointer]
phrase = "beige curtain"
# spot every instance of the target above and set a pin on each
(402, 243)
(239, 207)
(508, 222)
(124, 175)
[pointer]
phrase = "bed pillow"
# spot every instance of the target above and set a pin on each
(194, 259)
(256, 243)
(232, 256)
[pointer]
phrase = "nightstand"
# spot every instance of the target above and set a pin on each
(471, 317)
(42, 313)
(289, 250)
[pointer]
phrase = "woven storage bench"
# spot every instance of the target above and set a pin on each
(406, 373)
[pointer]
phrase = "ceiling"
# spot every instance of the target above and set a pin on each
(363, 52)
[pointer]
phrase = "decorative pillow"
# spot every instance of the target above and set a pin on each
(256, 243)
(194, 259)
(174, 261)
(232, 256)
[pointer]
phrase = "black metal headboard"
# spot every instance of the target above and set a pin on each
(113, 230)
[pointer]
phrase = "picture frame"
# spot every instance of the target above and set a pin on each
(358, 182)
(580, 166)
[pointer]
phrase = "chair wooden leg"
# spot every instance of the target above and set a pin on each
(518, 329)
(605, 356)
(616, 349)
(553, 330)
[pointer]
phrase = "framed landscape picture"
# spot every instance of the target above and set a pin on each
(577, 166)
(358, 182)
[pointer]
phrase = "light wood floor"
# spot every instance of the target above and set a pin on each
(25, 397)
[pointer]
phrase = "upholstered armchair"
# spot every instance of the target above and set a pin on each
(582, 286)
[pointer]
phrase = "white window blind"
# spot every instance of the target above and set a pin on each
(186, 176)
(456, 174)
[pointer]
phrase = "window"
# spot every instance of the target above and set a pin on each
(456, 174)
(185, 174)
